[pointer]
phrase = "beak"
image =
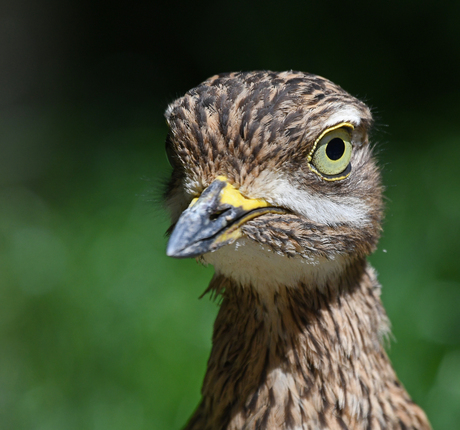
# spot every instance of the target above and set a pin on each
(214, 220)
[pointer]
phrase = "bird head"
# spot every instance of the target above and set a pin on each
(270, 170)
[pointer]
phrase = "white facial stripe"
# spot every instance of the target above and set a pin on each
(346, 114)
(279, 191)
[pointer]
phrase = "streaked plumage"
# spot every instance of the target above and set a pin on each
(298, 340)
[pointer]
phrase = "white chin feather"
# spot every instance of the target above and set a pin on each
(250, 264)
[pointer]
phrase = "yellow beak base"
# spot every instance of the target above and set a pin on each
(214, 220)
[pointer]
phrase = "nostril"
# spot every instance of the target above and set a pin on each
(217, 214)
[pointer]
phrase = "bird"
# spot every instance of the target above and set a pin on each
(274, 183)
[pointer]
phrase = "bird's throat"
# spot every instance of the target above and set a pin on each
(304, 355)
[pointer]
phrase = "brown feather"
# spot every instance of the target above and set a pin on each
(307, 353)
(304, 358)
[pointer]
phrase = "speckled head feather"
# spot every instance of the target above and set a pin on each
(243, 123)
(257, 129)
(297, 344)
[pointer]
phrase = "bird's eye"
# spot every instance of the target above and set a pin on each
(330, 156)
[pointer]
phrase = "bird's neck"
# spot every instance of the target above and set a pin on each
(298, 356)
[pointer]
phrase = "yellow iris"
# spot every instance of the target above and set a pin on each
(331, 154)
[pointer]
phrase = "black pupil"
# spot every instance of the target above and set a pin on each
(335, 148)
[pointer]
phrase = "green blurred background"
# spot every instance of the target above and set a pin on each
(98, 329)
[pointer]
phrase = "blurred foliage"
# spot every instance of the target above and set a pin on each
(99, 330)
